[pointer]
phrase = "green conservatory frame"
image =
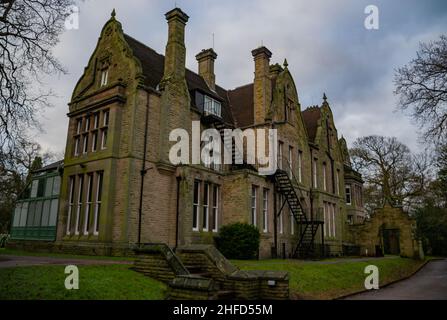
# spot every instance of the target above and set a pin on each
(35, 214)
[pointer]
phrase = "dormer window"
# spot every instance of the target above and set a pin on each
(212, 106)
(104, 77)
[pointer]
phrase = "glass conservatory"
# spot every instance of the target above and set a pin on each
(35, 215)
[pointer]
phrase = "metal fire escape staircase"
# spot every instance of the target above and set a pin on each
(287, 186)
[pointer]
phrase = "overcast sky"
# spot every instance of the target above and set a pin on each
(325, 42)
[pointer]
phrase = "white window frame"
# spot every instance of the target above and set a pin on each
(333, 219)
(96, 120)
(337, 182)
(98, 202)
(216, 192)
(88, 203)
(300, 166)
(84, 143)
(254, 192)
(324, 176)
(94, 141)
(78, 125)
(280, 146)
(104, 138)
(292, 223)
(206, 206)
(315, 175)
(290, 161)
(265, 210)
(281, 222)
(77, 142)
(212, 106)
(79, 204)
(348, 187)
(70, 204)
(87, 124)
(196, 206)
(104, 77)
(106, 118)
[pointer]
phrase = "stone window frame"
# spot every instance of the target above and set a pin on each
(329, 219)
(324, 169)
(104, 128)
(215, 207)
(85, 193)
(77, 136)
(254, 205)
(348, 194)
(265, 210)
(80, 194)
(88, 203)
(104, 70)
(289, 111)
(95, 130)
(206, 207)
(300, 166)
(71, 195)
(337, 182)
(290, 158)
(98, 201)
(196, 205)
(281, 220)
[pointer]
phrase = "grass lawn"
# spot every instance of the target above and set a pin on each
(329, 279)
(14, 252)
(95, 283)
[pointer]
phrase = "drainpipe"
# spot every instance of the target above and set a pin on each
(177, 213)
(275, 227)
(143, 170)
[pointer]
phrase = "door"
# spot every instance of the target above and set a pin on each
(391, 241)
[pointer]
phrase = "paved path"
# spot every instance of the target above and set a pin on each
(10, 261)
(430, 283)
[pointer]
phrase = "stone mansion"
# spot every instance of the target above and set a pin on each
(119, 188)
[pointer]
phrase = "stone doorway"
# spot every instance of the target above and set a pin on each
(391, 242)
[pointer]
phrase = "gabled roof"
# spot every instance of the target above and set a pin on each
(311, 116)
(153, 69)
(242, 104)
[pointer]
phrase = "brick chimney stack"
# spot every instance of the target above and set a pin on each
(262, 89)
(175, 55)
(206, 67)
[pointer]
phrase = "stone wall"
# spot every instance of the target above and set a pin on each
(246, 285)
(369, 235)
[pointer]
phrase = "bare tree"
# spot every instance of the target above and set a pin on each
(390, 170)
(29, 29)
(422, 87)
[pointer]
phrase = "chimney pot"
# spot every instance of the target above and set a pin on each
(177, 13)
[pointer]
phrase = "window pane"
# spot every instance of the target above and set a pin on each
(24, 214)
(34, 186)
(56, 185)
(38, 213)
(45, 213)
(31, 211)
(41, 187)
(49, 187)
(17, 213)
(53, 212)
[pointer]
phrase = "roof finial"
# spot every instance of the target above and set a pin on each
(285, 64)
(324, 97)
(113, 13)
